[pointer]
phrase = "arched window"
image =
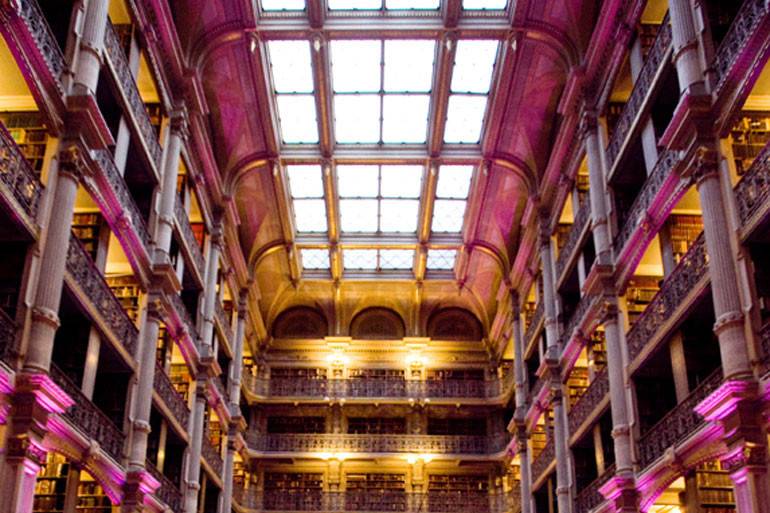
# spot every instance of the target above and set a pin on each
(377, 323)
(300, 322)
(454, 324)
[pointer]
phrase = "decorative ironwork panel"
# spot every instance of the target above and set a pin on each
(536, 318)
(171, 397)
(181, 310)
(543, 459)
(588, 402)
(88, 418)
(95, 288)
(576, 319)
(641, 89)
(752, 192)
(764, 346)
(130, 210)
(642, 203)
(18, 175)
(189, 237)
(746, 22)
(168, 492)
(128, 86)
(211, 454)
(689, 271)
(578, 225)
(224, 322)
(29, 11)
(590, 497)
(678, 424)
(7, 336)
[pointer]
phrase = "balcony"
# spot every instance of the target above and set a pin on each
(326, 443)
(171, 398)
(662, 312)
(7, 337)
(100, 300)
(573, 238)
(168, 492)
(130, 92)
(190, 242)
(590, 497)
(679, 424)
(86, 417)
(224, 323)
(727, 60)
(753, 191)
(18, 182)
(534, 324)
(543, 460)
(629, 117)
(210, 454)
(577, 319)
(589, 401)
(764, 348)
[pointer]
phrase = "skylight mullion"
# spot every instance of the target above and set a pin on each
(443, 69)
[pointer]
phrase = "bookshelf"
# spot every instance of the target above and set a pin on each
(30, 134)
(641, 290)
(298, 373)
(750, 134)
(91, 497)
(127, 290)
(683, 229)
(577, 383)
(445, 492)
(293, 491)
(87, 226)
(180, 379)
(380, 374)
(647, 34)
(455, 374)
(597, 350)
(163, 346)
(375, 492)
(294, 424)
(612, 114)
(376, 426)
(155, 112)
(715, 489)
(51, 485)
(562, 233)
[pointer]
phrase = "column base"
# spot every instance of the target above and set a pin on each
(620, 491)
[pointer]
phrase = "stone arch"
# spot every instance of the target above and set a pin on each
(377, 323)
(300, 322)
(454, 323)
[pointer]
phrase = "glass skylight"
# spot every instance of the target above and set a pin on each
(451, 195)
(382, 90)
(471, 5)
(471, 80)
(377, 259)
(441, 259)
(314, 259)
(306, 187)
(369, 5)
(283, 5)
(293, 85)
(379, 199)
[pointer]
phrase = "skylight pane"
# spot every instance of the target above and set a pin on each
(399, 216)
(297, 118)
(358, 215)
(405, 118)
(305, 181)
(315, 258)
(448, 216)
(357, 118)
(401, 181)
(310, 215)
(356, 66)
(441, 259)
(359, 259)
(454, 181)
(465, 115)
(474, 62)
(290, 62)
(409, 65)
(357, 181)
(283, 5)
(484, 4)
(354, 4)
(412, 4)
(396, 259)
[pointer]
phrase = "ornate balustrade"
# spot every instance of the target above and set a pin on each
(588, 402)
(224, 322)
(652, 186)
(247, 498)
(85, 416)
(764, 347)
(188, 236)
(211, 454)
(678, 424)
(29, 12)
(184, 315)
(753, 191)
(168, 492)
(576, 319)
(18, 176)
(543, 459)
(590, 497)
(378, 388)
(127, 85)
(537, 388)
(7, 337)
(536, 318)
(118, 184)
(748, 19)
(175, 402)
(94, 288)
(327, 442)
(690, 270)
(380, 501)
(578, 226)
(641, 90)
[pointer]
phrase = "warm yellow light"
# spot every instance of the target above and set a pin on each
(412, 459)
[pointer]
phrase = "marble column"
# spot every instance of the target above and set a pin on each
(168, 195)
(599, 226)
(89, 57)
(520, 397)
(192, 479)
(210, 292)
(688, 66)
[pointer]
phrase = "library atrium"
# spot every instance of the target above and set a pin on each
(384, 256)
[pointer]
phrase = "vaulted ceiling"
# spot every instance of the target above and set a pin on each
(382, 152)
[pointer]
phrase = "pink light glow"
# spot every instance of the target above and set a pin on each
(724, 400)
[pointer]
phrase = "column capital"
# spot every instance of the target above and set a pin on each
(179, 121)
(704, 164)
(743, 456)
(72, 162)
(589, 123)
